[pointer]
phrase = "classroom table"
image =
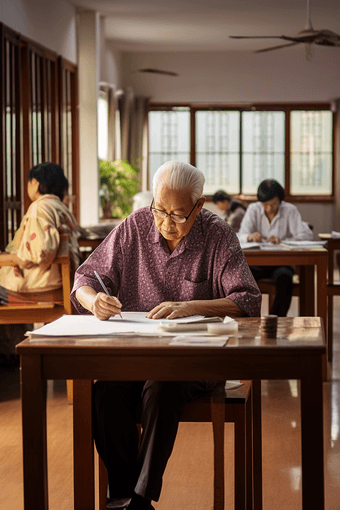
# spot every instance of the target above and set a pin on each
(89, 243)
(296, 353)
(332, 245)
(307, 260)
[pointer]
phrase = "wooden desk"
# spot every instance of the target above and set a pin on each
(307, 260)
(332, 246)
(295, 354)
(93, 242)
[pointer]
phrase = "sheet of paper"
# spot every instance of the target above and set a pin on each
(200, 341)
(304, 244)
(249, 245)
(139, 317)
(271, 246)
(88, 325)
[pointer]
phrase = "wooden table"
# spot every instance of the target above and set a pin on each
(332, 246)
(295, 354)
(307, 260)
(88, 244)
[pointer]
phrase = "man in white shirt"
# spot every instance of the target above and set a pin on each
(271, 219)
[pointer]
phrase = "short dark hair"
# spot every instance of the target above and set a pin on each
(268, 189)
(51, 179)
(221, 196)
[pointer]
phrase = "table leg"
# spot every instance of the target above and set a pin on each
(257, 444)
(312, 435)
(322, 293)
(83, 451)
(307, 291)
(33, 402)
(330, 301)
(330, 328)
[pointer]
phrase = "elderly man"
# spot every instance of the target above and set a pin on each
(172, 259)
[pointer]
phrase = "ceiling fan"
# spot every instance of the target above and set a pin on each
(157, 71)
(308, 36)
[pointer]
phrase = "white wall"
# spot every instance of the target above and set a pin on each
(51, 23)
(111, 68)
(283, 75)
(88, 28)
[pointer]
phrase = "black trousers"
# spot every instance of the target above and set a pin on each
(132, 468)
(283, 279)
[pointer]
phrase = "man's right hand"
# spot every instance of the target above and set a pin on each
(104, 306)
(255, 237)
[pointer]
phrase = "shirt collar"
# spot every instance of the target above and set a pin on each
(278, 212)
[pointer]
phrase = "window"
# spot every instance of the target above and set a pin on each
(218, 148)
(237, 148)
(68, 128)
(38, 105)
(10, 163)
(169, 137)
(311, 152)
(263, 149)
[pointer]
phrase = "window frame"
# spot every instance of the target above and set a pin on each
(49, 96)
(286, 108)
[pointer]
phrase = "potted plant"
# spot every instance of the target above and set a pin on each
(118, 184)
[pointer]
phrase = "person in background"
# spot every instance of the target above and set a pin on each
(171, 259)
(233, 209)
(33, 249)
(273, 220)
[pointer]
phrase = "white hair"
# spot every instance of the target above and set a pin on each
(180, 176)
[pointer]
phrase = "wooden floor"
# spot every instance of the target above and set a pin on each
(188, 478)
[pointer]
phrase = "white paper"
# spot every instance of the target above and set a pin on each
(335, 235)
(249, 245)
(89, 325)
(200, 341)
(140, 317)
(304, 244)
(271, 246)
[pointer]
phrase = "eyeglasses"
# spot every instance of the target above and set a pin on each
(177, 218)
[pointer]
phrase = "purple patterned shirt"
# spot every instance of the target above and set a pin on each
(136, 265)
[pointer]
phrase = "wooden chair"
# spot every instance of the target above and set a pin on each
(236, 406)
(40, 308)
(267, 286)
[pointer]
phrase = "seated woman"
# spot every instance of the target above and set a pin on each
(233, 209)
(274, 220)
(34, 248)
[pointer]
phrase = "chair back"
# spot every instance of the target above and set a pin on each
(40, 307)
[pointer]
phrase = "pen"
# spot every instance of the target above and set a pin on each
(104, 288)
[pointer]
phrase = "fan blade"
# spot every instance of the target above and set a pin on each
(157, 71)
(276, 47)
(257, 37)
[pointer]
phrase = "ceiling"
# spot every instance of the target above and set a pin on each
(205, 25)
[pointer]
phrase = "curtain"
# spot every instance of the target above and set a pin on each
(336, 225)
(134, 134)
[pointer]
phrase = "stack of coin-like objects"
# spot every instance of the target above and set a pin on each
(269, 326)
